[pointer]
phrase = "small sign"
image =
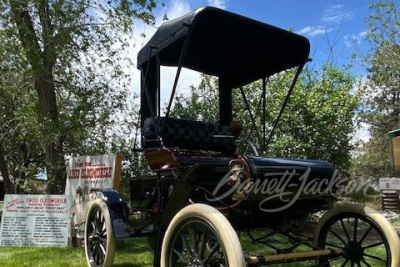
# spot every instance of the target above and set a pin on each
(83, 174)
(87, 172)
(35, 221)
(389, 183)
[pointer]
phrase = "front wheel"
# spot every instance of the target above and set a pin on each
(99, 238)
(199, 235)
(365, 236)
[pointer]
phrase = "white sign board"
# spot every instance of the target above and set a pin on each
(35, 221)
(389, 183)
(86, 172)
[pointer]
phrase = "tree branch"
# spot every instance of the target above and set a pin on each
(27, 33)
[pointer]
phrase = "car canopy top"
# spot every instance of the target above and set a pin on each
(238, 49)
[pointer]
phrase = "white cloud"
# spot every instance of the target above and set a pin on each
(331, 17)
(314, 31)
(178, 8)
(351, 40)
(218, 3)
(335, 14)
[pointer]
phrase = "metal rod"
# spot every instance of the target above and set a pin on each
(263, 117)
(295, 256)
(144, 88)
(255, 116)
(299, 69)
(251, 115)
(178, 72)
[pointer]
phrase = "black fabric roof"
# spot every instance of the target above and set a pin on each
(227, 45)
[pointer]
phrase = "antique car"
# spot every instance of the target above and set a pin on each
(206, 193)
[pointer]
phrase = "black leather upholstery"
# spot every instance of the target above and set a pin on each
(187, 135)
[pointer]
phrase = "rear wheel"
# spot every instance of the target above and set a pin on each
(199, 235)
(99, 238)
(366, 238)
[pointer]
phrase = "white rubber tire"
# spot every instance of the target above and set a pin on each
(223, 229)
(381, 222)
(100, 205)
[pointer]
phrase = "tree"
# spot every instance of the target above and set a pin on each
(381, 93)
(17, 116)
(317, 123)
(76, 67)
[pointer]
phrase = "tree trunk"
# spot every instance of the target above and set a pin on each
(42, 63)
(9, 188)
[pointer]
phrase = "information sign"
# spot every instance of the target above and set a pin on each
(35, 221)
(389, 183)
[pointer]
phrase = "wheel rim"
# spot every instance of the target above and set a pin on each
(195, 243)
(361, 240)
(97, 238)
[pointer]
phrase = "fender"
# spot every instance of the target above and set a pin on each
(118, 213)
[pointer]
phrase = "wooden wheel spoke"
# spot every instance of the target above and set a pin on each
(181, 256)
(332, 245)
(345, 230)
(213, 251)
(104, 232)
(185, 242)
(102, 249)
(97, 219)
(96, 254)
(102, 221)
(373, 245)
(195, 240)
(365, 235)
(355, 231)
(344, 263)
(93, 226)
(366, 263)
(337, 235)
(203, 248)
(374, 257)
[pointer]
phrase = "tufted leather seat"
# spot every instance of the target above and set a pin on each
(187, 135)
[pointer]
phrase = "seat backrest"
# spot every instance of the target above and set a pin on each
(188, 135)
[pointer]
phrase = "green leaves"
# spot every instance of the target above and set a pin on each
(64, 75)
(381, 94)
(318, 122)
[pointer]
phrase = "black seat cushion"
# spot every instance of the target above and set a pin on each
(188, 135)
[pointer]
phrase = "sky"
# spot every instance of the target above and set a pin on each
(335, 28)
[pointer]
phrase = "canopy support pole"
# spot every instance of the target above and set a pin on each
(251, 115)
(152, 100)
(264, 83)
(178, 71)
(299, 69)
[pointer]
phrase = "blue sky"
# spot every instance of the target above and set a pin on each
(327, 23)
(336, 24)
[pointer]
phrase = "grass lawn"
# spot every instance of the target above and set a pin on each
(130, 253)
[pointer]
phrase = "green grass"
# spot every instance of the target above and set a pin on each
(130, 253)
